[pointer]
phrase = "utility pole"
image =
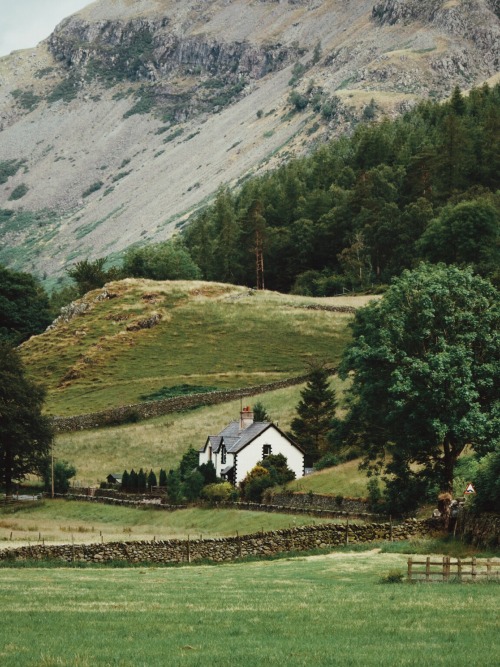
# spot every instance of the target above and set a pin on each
(52, 468)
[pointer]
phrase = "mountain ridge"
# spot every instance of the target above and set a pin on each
(131, 115)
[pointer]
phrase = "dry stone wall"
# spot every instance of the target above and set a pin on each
(324, 502)
(139, 411)
(479, 530)
(302, 538)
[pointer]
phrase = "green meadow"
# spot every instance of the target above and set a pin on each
(314, 610)
(204, 334)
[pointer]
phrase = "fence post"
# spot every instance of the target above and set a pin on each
(473, 568)
(459, 569)
(410, 564)
(428, 569)
(488, 568)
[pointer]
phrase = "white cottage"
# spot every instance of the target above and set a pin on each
(242, 444)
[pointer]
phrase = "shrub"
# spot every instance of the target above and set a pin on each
(327, 461)
(92, 188)
(218, 492)
(18, 192)
(393, 577)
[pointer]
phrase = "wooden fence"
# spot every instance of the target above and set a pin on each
(447, 569)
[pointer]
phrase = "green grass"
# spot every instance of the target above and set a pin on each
(209, 335)
(60, 521)
(320, 610)
(345, 479)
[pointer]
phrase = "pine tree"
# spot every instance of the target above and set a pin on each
(141, 481)
(152, 481)
(125, 481)
(316, 412)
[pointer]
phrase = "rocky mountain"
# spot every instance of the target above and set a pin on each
(127, 119)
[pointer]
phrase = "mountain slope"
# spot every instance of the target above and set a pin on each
(132, 114)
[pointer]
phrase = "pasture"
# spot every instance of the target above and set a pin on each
(314, 610)
(60, 522)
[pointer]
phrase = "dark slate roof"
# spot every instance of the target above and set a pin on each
(235, 438)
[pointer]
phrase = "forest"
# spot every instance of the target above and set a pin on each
(361, 209)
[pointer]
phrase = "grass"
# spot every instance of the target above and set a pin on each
(319, 610)
(59, 521)
(209, 335)
(160, 443)
(345, 479)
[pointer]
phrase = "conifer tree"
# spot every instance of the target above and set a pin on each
(316, 412)
(152, 481)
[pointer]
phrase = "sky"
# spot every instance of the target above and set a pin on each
(24, 23)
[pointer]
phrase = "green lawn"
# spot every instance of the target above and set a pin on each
(320, 610)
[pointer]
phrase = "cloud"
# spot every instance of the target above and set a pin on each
(25, 23)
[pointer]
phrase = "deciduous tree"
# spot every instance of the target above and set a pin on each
(424, 361)
(25, 434)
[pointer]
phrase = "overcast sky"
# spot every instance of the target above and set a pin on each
(24, 23)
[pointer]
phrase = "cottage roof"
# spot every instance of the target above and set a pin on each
(235, 438)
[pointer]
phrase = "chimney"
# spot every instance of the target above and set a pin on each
(246, 418)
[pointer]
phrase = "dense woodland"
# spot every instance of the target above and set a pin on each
(361, 209)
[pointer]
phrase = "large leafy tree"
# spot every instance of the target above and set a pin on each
(424, 360)
(315, 414)
(24, 306)
(25, 434)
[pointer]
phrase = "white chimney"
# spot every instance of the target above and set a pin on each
(246, 418)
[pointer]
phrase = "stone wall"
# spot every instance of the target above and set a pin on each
(479, 530)
(221, 549)
(138, 411)
(352, 508)
(319, 501)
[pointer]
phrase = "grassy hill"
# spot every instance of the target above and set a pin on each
(134, 337)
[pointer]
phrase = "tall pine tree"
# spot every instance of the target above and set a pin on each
(315, 415)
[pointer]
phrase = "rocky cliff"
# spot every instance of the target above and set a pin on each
(132, 114)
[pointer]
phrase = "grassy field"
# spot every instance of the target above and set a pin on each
(208, 334)
(60, 522)
(345, 479)
(160, 443)
(317, 610)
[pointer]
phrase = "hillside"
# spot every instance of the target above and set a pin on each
(132, 114)
(122, 343)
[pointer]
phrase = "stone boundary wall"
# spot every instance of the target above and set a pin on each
(333, 309)
(479, 530)
(301, 538)
(304, 500)
(155, 502)
(139, 411)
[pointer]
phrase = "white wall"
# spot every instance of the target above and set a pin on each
(248, 457)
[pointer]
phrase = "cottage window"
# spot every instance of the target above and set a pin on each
(266, 451)
(222, 454)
